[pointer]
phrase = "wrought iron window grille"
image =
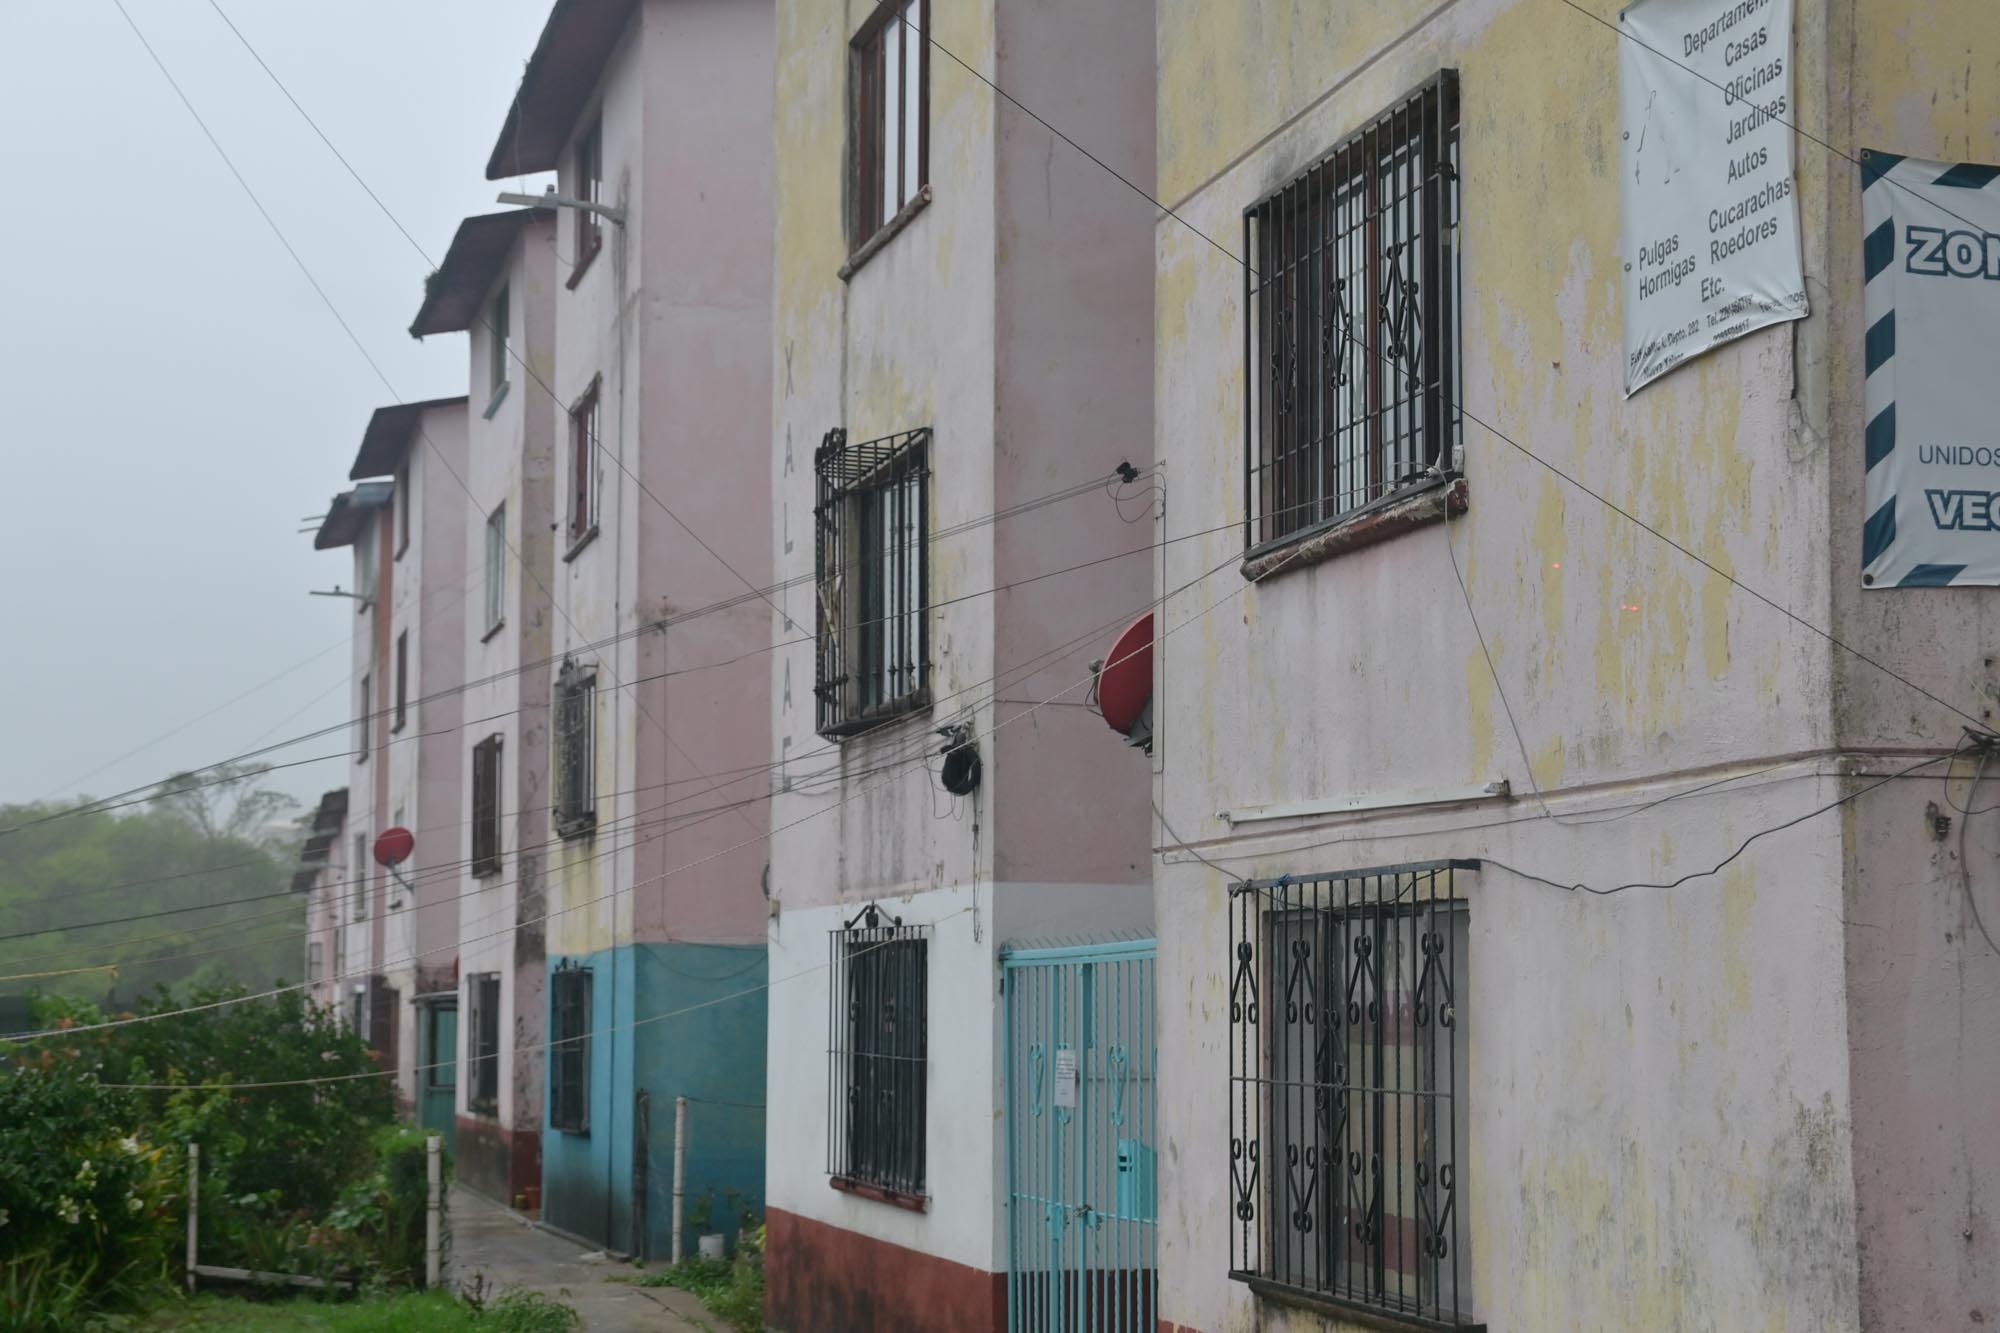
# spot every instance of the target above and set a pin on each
(486, 806)
(1347, 1075)
(483, 1043)
(872, 563)
(569, 1048)
(576, 749)
(877, 1054)
(1351, 340)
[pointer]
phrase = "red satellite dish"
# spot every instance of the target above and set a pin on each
(394, 846)
(1125, 684)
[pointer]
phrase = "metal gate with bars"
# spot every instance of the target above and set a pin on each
(1081, 1180)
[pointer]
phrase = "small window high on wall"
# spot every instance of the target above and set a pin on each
(891, 138)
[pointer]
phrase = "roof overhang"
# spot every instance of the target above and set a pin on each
(349, 514)
(453, 294)
(575, 44)
(390, 432)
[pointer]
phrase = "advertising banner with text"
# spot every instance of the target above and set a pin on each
(1710, 223)
(1930, 255)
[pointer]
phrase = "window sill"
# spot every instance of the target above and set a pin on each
(886, 233)
(486, 871)
(491, 1110)
(395, 728)
(1368, 1316)
(496, 627)
(1391, 516)
(583, 539)
(583, 263)
(880, 716)
(499, 397)
(915, 1203)
(582, 827)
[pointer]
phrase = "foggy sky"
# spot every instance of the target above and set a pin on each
(174, 398)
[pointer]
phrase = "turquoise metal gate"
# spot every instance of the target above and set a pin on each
(1081, 1238)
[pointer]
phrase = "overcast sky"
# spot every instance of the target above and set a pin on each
(175, 396)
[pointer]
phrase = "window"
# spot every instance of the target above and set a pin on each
(364, 569)
(404, 502)
(588, 185)
(482, 997)
(569, 1050)
(576, 750)
(1352, 343)
(496, 567)
(892, 89)
(880, 979)
(583, 467)
(402, 678)
(873, 571)
(315, 960)
(358, 884)
(486, 807)
(1347, 1057)
(361, 722)
(497, 329)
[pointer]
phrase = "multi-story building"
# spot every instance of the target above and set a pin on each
(1557, 930)
(962, 360)
(406, 527)
(497, 282)
(321, 877)
(656, 117)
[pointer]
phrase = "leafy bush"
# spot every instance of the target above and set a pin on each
(86, 1216)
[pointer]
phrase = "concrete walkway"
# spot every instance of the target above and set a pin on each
(498, 1245)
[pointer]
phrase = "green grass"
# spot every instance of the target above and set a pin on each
(734, 1291)
(405, 1312)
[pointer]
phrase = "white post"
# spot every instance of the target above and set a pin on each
(434, 1164)
(680, 1168)
(194, 1207)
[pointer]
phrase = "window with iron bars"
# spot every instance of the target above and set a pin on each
(483, 1041)
(576, 750)
(1351, 340)
(569, 1049)
(1347, 1069)
(873, 565)
(876, 1064)
(486, 806)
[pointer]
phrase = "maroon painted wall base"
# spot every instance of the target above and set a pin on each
(503, 1164)
(822, 1279)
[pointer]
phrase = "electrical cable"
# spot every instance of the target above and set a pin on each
(1965, 866)
(1210, 609)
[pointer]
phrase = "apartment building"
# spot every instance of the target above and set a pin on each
(497, 283)
(656, 119)
(321, 875)
(1556, 930)
(962, 361)
(405, 524)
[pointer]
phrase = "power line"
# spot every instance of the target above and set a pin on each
(1210, 609)
(1495, 431)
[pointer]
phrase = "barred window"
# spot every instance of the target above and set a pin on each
(876, 1099)
(872, 528)
(486, 806)
(576, 750)
(483, 1042)
(1352, 331)
(569, 1049)
(1347, 1061)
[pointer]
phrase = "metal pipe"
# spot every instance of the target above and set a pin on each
(680, 1169)
(433, 1210)
(194, 1208)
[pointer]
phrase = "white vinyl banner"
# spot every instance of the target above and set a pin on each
(1711, 217)
(1930, 255)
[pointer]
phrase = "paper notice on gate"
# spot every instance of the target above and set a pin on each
(1711, 216)
(1066, 1077)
